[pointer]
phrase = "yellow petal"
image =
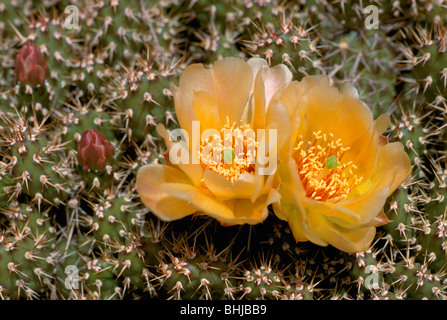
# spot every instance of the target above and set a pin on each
(198, 199)
(245, 185)
(290, 99)
(224, 189)
(257, 117)
(220, 186)
(277, 118)
(392, 168)
(150, 179)
(297, 214)
(348, 89)
(366, 208)
(275, 79)
(331, 210)
(395, 163)
(347, 240)
(381, 124)
(191, 169)
(281, 214)
(232, 80)
(206, 110)
(224, 211)
(320, 107)
(226, 85)
(266, 161)
(268, 83)
(256, 64)
(195, 77)
(249, 212)
(289, 207)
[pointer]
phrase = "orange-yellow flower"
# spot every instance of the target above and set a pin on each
(337, 169)
(231, 94)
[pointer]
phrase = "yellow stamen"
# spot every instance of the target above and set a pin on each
(234, 158)
(323, 174)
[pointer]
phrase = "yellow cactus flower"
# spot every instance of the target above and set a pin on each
(337, 169)
(224, 164)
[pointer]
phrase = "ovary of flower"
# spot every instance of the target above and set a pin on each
(321, 181)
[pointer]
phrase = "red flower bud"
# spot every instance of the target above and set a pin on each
(94, 151)
(31, 67)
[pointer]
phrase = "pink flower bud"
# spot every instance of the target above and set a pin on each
(94, 151)
(31, 67)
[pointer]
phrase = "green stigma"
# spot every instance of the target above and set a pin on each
(331, 162)
(228, 155)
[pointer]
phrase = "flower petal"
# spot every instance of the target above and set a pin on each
(395, 161)
(256, 64)
(393, 166)
(249, 212)
(320, 107)
(204, 203)
(192, 170)
(221, 187)
(382, 123)
(277, 118)
(207, 110)
(232, 79)
(195, 77)
(274, 79)
(268, 83)
(290, 207)
(347, 240)
(150, 181)
(367, 208)
(228, 82)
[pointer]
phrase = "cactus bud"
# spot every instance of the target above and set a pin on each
(94, 151)
(31, 68)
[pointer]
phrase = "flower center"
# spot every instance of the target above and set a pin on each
(230, 153)
(323, 174)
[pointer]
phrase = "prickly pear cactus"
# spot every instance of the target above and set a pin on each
(68, 233)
